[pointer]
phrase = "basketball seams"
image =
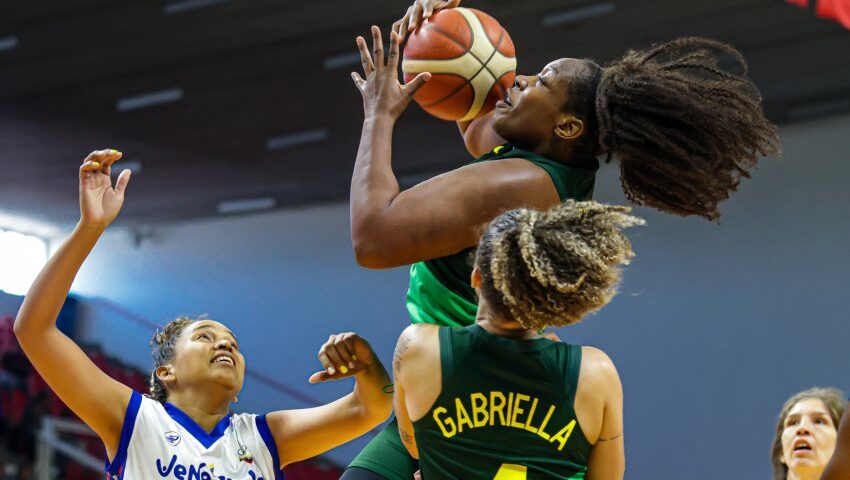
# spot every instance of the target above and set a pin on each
(480, 81)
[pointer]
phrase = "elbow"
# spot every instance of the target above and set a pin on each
(367, 255)
(20, 330)
(369, 249)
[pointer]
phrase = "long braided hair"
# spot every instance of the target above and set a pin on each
(682, 118)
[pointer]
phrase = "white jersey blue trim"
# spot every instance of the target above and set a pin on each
(162, 442)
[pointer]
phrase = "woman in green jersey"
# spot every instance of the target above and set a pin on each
(534, 408)
(684, 128)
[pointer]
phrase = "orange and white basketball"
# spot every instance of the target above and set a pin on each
(471, 59)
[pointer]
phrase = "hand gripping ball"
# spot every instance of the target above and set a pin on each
(471, 59)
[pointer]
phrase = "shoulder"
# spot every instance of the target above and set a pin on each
(508, 180)
(418, 342)
(513, 168)
(416, 337)
(598, 370)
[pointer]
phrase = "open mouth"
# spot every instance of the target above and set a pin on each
(505, 102)
(223, 359)
(802, 446)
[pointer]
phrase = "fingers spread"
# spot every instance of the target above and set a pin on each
(377, 47)
(392, 59)
(416, 16)
(365, 57)
(359, 82)
(412, 86)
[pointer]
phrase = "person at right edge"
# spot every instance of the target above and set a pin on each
(682, 119)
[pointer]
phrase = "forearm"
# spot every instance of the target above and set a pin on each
(373, 184)
(373, 393)
(50, 289)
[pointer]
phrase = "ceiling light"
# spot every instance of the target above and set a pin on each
(579, 14)
(342, 60)
(818, 109)
(188, 5)
(297, 138)
(246, 205)
(134, 166)
(8, 43)
(149, 99)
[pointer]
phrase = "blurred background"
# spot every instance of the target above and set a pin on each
(241, 123)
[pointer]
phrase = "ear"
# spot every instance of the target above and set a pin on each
(569, 128)
(475, 280)
(165, 373)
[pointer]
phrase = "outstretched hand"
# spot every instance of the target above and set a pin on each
(343, 355)
(382, 93)
(417, 13)
(99, 201)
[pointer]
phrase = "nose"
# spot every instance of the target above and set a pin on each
(803, 428)
(224, 344)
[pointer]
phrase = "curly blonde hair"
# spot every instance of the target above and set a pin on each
(552, 268)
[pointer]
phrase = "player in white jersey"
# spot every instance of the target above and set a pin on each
(184, 430)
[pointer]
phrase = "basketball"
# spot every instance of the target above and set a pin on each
(471, 59)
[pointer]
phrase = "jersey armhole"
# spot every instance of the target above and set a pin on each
(271, 445)
(446, 355)
(573, 371)
(115, 469)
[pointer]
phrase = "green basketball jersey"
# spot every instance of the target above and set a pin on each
(439, 290)
(512, 420)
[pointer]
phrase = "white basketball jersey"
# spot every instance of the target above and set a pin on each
(161, 442)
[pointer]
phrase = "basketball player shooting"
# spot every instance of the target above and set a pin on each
(682, 118)
(184, 429)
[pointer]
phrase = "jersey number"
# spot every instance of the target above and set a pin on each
(510, 471)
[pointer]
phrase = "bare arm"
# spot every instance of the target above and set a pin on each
(405, 425)
(418, 378)
(96, 398)
(305, 433)
(838, 467)
(607, 459)
(438, 217)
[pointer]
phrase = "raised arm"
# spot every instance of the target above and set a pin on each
(96, 398)
(838, 467)
(305, 433)
(438, 217)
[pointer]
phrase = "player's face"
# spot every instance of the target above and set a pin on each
(808, 437)
(532, 108)
(208, 352)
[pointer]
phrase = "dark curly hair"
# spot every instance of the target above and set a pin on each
(682, 118)
(552, 268)
(163, 347)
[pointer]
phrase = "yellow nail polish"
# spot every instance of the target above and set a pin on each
(114, 152)
(343, 369)
(95, 164)
(354, 357)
